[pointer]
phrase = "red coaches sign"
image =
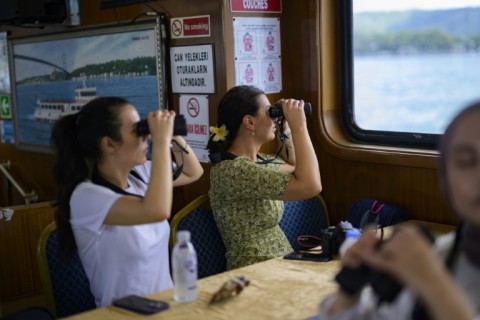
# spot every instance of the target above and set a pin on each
(256, 5)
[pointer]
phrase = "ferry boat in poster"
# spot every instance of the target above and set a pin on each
(53, 109)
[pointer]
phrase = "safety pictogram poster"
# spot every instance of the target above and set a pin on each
(195, 110)
(257, 53)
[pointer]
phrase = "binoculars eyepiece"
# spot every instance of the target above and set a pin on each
(276, 110)
(179, 126)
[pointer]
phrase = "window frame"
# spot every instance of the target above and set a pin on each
(346, 95)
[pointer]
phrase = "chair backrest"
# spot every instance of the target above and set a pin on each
(304, 217)
(66, 286)
(198, 219)
(37, 313)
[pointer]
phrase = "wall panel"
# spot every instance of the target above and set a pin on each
(19, 275)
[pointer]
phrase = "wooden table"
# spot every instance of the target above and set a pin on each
(436, 228)
(279, 289)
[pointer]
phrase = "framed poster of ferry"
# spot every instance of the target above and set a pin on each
(55, 74)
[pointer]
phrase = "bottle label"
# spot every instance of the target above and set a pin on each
(191, 265)
(187, 273)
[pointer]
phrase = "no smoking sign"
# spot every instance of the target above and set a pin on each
(189, 27)
(177, 28)
(193, 107)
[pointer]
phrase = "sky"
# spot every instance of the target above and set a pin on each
(77, 52)
(390, 5)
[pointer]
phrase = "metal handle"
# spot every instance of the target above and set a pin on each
(30, 196)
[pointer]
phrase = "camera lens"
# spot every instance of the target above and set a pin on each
(276, 110)
(179, 126)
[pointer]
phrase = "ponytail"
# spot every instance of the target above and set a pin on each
(69, 170)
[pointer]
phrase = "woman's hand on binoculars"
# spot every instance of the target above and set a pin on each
(293, 112)
(409, 256)
(160, 123)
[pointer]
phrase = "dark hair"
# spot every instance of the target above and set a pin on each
(235, 104)
(445, 141)
(76, 139)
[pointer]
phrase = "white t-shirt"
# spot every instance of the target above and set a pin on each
(119, 260)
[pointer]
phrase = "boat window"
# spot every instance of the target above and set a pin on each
(407, 67)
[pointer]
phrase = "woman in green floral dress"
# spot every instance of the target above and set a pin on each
(247, 187)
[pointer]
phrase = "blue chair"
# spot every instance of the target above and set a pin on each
(304, 217)
(197, 218)
(65, 284)
(37, 313)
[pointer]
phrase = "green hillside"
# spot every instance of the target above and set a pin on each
(458, 22)
(417, 31)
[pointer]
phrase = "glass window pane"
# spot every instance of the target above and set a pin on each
(416, 62)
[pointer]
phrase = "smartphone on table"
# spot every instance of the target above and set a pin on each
(140, 304)
(302, 255)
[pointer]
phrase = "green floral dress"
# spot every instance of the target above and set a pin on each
(245, 198)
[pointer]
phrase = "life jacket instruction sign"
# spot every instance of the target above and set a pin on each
(192, 69)
(258, 53)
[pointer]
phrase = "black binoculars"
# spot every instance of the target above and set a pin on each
(276, 110)
(179, 126)
(385, 285)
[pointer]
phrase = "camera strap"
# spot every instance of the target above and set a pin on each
(178, 170)
(308, 241)
(283, 137)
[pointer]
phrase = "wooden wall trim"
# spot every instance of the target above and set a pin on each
(334, 140)
(19, 273)
(328, 127)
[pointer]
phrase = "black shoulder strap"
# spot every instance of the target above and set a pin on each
(218, 157)
(98, 179)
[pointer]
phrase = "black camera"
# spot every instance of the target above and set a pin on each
(179, 126)
(276, 110)
(386, 286)
(331, 239)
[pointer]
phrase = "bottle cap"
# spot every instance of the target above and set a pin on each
(183, 235)
(352, 233)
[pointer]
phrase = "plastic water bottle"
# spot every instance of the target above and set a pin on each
(351, 236)
(184, 265)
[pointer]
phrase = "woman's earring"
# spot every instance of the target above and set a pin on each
(253, 132)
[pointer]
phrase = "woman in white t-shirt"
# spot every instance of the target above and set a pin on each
(113, 203)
